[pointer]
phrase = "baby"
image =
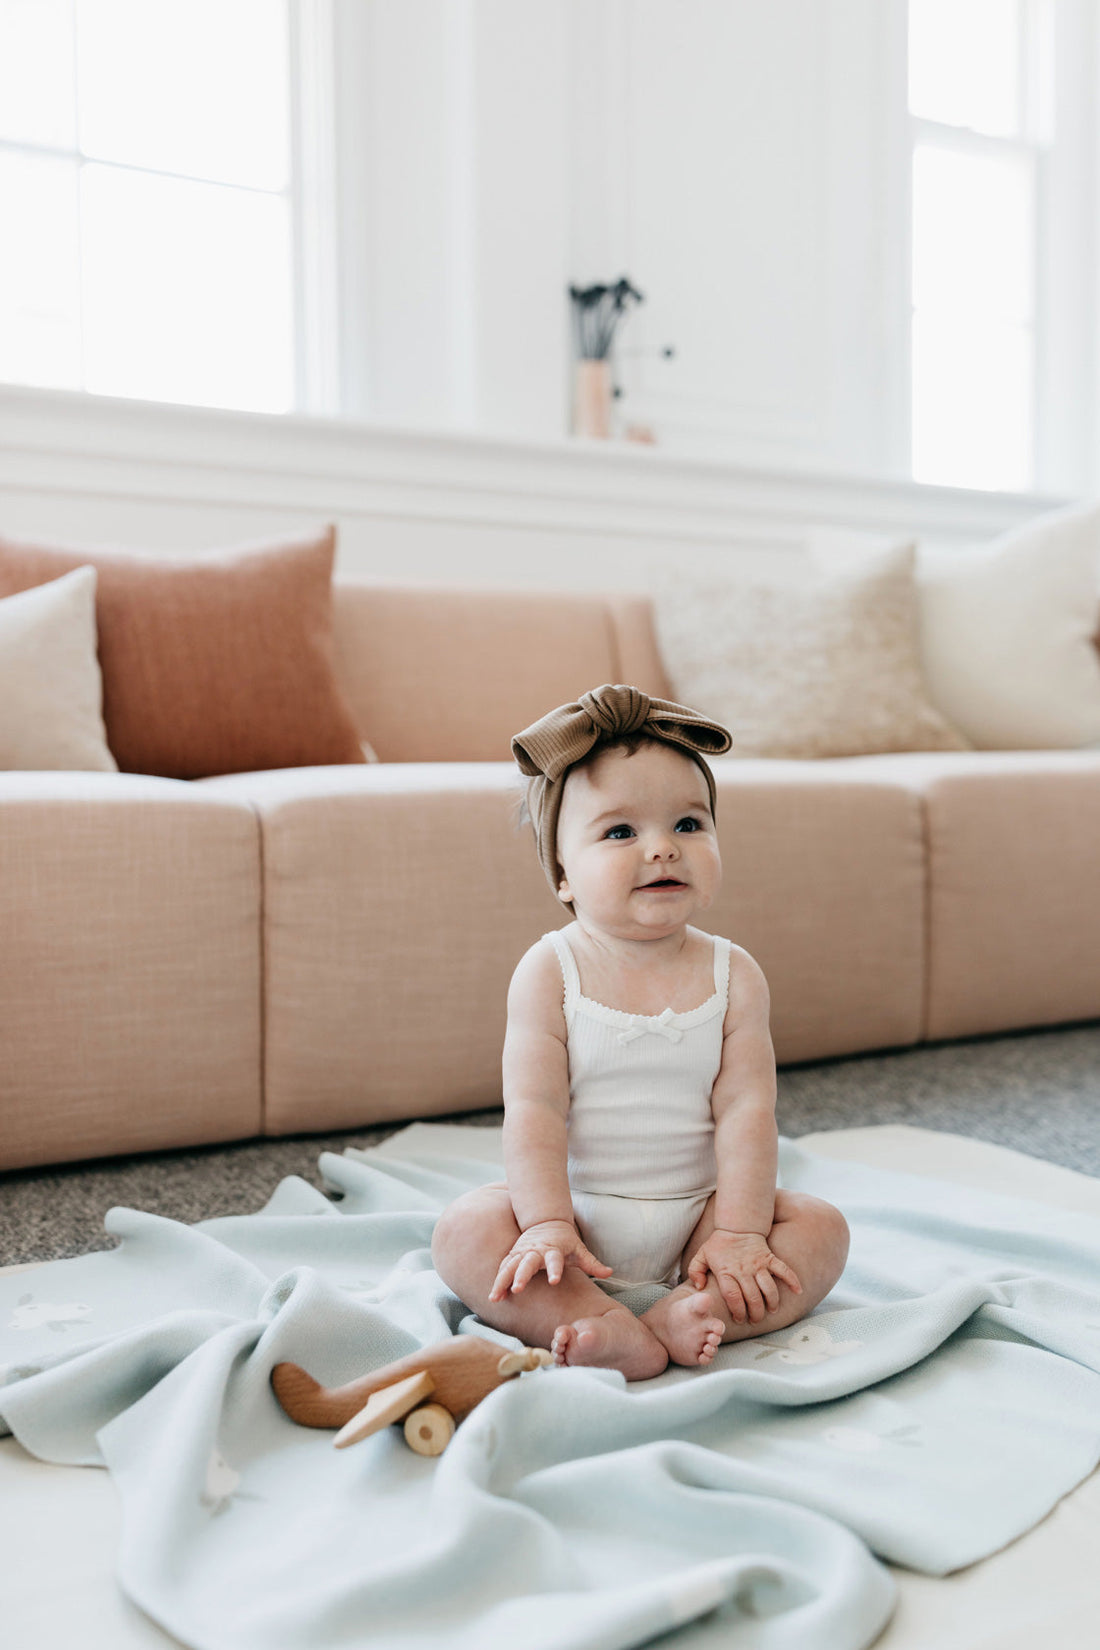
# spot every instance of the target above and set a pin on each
(640, 1141)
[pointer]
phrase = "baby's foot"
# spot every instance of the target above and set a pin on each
(686, 1326)
(614, 1340)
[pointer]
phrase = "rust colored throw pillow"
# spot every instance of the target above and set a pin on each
(219, 662)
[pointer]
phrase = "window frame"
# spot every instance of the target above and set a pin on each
(1062, 147)
(964, 141)
(310, 194)
(315, 244)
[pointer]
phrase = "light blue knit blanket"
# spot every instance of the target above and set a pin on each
(935, 1407)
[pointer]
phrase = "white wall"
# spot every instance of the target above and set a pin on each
(420, 507)
(745, 164)
(727, 155)
(711, 117)
(454, 187)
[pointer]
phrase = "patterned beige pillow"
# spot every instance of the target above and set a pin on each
(825, 667)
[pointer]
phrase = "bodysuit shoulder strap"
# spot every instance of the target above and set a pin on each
(570, 974)
(722, 949)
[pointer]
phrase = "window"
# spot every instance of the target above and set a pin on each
(980, 107)
(147, 192)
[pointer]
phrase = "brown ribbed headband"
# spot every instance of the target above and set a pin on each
(559, 740)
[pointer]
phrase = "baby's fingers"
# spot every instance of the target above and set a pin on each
(503, 1280)
(586, 1260)
(735, 1295)
(768, 1289)
(533, 1263)
(698, 1271)
(787, 1274)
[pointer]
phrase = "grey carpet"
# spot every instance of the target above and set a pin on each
(1038, 1092)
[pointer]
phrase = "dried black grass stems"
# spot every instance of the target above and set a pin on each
(598, 311)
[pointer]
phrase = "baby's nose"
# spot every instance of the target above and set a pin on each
(663, 845)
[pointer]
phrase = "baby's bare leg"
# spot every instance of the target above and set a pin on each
(809, 1234)
(574, 1318)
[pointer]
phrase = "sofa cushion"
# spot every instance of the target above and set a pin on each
(823, 883)
(51, 691)
(1008, 630)
(637, 656)
(825, 666)
(1014, 888)
(130, 968)
(441, 675)
(399, 898)
(212, 663)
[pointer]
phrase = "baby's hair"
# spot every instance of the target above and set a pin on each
(631, 743)
(521, 813)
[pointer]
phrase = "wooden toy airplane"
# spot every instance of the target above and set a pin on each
(457, 1374)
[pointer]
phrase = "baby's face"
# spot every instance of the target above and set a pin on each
(637, 843)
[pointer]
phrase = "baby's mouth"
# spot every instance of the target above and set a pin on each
(665, 882)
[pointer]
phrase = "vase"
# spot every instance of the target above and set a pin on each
(592, 399)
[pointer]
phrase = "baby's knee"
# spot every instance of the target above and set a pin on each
(835, 1236)
(830, 1231)
(822, 1232)
(445, 1233)
(480, 1222)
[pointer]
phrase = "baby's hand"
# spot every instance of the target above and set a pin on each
(550, 1246)
(745, 1270)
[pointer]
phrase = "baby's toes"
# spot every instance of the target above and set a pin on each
(564, 1336)
(712, 1340)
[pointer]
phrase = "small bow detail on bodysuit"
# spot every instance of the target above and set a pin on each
(661, 1024)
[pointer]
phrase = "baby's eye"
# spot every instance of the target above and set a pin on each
(619, 833)
(688, 824)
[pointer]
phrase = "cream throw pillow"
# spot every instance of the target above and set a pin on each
(824, 667)
(50, 688)
(1007, 630)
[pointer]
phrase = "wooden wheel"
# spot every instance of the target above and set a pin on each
(429, 1429)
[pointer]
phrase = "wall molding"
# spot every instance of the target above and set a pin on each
(77, 446)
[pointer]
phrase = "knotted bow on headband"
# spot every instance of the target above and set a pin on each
(559, 740)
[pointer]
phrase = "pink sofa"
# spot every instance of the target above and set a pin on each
(323, 948)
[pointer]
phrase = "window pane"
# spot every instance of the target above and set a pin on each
(39, 287)
(199, 89)
(973, 233)
(964, 64)
(187, 291)
(36, 72)
(972, 401)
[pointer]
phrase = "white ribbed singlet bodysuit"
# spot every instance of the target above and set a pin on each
(640, 1122)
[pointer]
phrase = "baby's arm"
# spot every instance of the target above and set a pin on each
(536, 1109)
(747, 1149)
